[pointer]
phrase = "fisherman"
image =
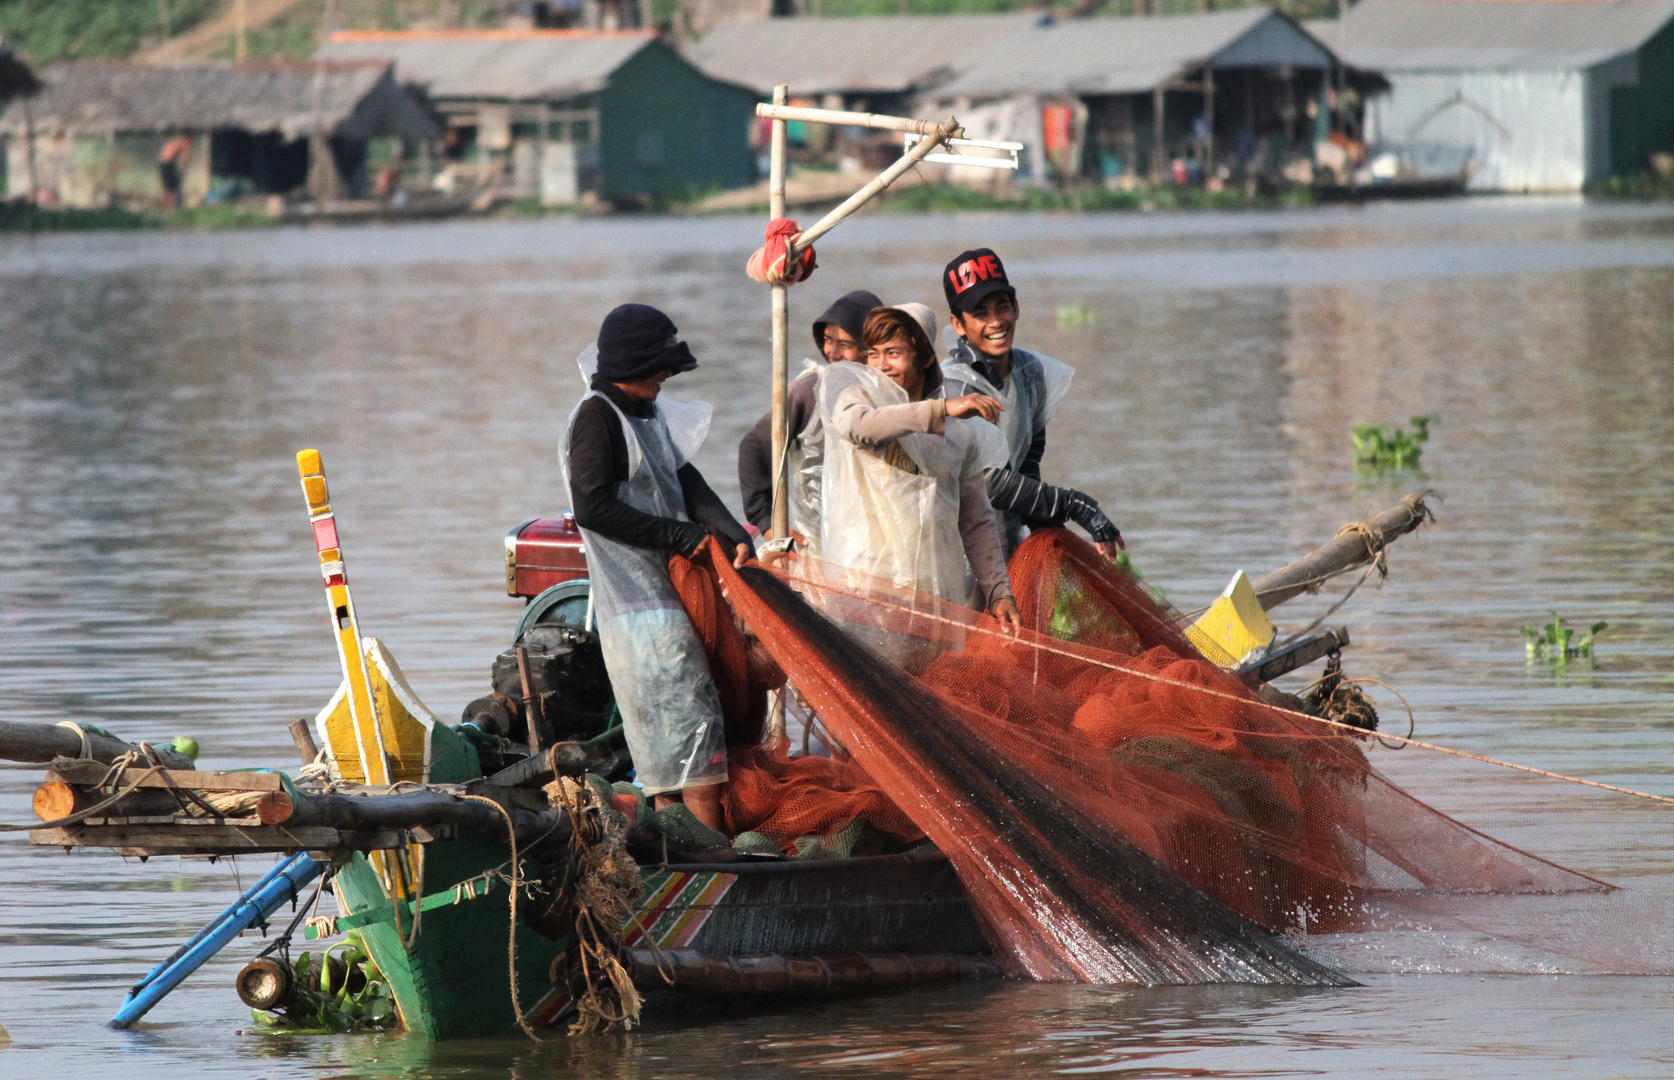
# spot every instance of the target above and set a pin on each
(636, 498)
(983, 312)
(837, 336)
(903, 496)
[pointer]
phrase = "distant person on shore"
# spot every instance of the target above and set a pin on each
(837, 335)
(172, 160)
(983, 312)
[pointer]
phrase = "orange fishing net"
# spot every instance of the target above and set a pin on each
(1118, 807)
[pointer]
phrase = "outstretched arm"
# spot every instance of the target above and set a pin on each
(1040, 504)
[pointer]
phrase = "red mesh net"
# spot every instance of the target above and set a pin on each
(1118, 807)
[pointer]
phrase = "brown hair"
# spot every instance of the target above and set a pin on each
(885, 323)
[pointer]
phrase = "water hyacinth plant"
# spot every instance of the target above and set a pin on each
(1384, 448)
(318, 1007)
(1552, 642)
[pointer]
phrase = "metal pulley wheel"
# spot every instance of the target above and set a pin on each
(566, 602)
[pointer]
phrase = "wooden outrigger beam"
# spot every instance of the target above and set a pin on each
(44, 742)
(1355, 546)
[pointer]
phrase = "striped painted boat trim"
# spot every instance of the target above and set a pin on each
(676, 905)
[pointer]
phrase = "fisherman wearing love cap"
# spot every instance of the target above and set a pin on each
(637, 497)
(983, 311)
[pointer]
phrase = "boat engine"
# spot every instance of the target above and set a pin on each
(557, 668)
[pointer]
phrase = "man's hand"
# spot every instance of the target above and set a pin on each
(742, 555)
(1005, 610)
(975, 405)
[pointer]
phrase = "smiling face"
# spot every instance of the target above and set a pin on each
(897, 358)
(839, 347)
(991, 327)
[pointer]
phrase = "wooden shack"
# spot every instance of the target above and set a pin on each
(557, 114)
(92, 135)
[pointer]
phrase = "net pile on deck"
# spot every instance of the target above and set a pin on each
(1119, 808)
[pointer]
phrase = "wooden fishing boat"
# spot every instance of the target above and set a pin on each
(775, 927)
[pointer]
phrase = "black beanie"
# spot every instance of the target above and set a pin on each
(848, 313)
(637, 341)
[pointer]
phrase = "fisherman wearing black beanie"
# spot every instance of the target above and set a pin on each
(633, 511)
(837, 335)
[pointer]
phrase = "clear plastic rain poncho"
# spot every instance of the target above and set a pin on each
(1037, 386)
(885, 520)
(805, 465)
(671, 713)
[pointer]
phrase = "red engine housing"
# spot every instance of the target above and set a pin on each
(542, 553)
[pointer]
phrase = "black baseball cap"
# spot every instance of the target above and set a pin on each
(972, 277)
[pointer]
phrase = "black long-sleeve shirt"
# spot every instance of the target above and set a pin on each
(598, 454)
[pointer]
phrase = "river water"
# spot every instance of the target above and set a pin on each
(156, 574)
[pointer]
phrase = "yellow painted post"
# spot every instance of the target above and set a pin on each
(369, 736)
(351, 651)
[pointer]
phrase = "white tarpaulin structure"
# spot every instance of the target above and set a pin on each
(1545, 95)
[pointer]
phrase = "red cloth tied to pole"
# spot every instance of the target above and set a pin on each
(768, 262)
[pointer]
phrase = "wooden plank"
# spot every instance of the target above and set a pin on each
(218, 839)
(86, 773)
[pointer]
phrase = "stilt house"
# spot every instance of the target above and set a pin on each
(1544, 95)
(557, 114)
(92, 135)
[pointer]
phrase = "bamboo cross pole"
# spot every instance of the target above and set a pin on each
(938, 134)
(777, 111)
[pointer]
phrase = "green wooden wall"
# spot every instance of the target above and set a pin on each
(1642, 117)
(666, 129)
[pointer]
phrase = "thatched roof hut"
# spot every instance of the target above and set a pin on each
(342, 100)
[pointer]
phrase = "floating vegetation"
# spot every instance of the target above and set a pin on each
(331, 995)
(1387, 449)
(1552, 642)
(1071, 316)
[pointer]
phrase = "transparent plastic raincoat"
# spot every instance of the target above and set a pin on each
(1032, 395)
(890, 521)
(671, 713)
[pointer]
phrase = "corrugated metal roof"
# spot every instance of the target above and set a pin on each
(1132, 55)
(888, 54)
(1487, 35)
(102, 97)
(527, 65)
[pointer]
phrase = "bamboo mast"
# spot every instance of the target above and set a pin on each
(781, 323)
(781, 368)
